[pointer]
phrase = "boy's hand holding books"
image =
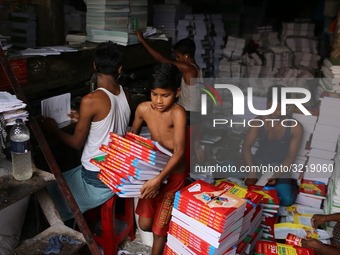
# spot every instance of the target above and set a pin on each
(150, 188)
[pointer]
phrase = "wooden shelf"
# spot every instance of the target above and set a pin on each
(13, 190)
(40, 2)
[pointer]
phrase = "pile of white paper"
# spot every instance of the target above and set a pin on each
(12, 108)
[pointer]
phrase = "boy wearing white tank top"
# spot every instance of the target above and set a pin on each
(104, 110)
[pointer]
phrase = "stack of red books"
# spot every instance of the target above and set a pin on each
(270, 204)
(251, 230)
(130, 162)
(205, 220)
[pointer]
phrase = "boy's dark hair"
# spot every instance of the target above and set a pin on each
(279, 92)
(108, 57)
(166, 76)
(186, 46)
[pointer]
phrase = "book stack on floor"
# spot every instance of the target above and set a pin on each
(308, 122)
(331, 75)
(23, 29)
(120, 37)
(184, 29)
(205, 220)
(251, 230)
(234, 48)
(130, 162)
(107, 15)
(311, 193)
(332, 201)
(320, 164)
(270, 203)
(167, 16)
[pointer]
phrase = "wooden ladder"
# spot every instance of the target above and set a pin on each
(37, 186)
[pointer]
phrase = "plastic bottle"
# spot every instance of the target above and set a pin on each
(134, 26)
(20, 150)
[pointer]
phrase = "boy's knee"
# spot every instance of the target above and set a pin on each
(145, 228)
(287, 193)
(145, 225)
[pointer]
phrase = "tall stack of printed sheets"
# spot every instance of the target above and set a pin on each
(205, 220)
(331, 75)
(107, 15)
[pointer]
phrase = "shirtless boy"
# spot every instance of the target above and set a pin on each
(166, 121)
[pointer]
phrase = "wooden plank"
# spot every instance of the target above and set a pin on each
(37, 244)
(39, 2)
(13, 190)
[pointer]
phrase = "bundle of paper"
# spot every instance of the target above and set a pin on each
(12, 108)
(209, 217)
(129, 164)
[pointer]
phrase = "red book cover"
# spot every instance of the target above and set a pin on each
(136, 154)
(243, 244)
(269, 194)
(271, 248)
(133, 145)
(216, 201)
(148, 143)
(185, 205)
(252, 198)
(188, 239)
(153, 145)
(107, 182)
(313, 187)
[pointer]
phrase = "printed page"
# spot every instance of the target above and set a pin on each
(57, 108)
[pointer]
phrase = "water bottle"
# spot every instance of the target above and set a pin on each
(20, 150)
(134, 25)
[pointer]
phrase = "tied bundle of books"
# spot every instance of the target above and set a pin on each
(205, 219)
(130, 162)
(272, 248)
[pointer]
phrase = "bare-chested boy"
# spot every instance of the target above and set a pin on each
(166, 121)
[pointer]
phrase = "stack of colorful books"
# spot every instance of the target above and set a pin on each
(130, 162)
(270, 204)
(251, 230)
(253, 200)
(205, 220)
